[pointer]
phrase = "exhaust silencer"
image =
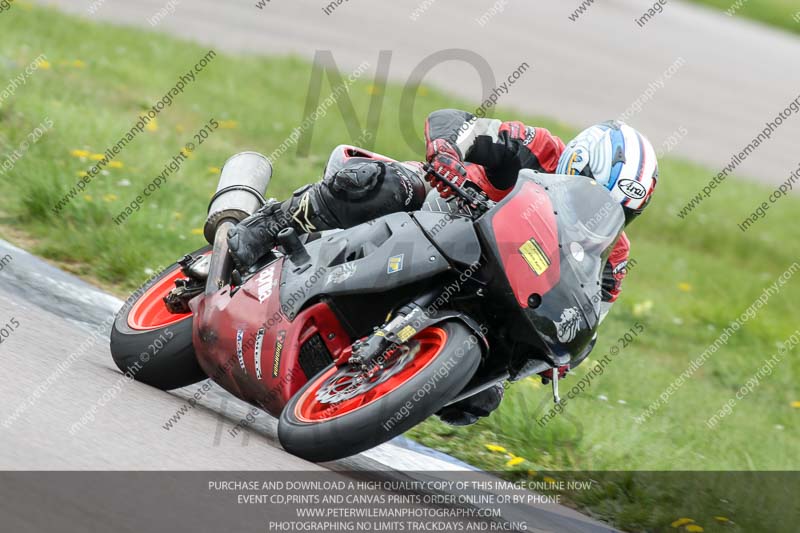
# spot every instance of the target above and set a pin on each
(240, 192)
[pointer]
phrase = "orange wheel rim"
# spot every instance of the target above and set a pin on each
(313, 406)
(150, 311)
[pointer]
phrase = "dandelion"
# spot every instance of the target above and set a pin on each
(78, 64)
(722, 519)
(152, 125)
(695, 528)
(97, 157)
(514, 461)
(87, 197)
(116, 164)
(642, 308)
(82, 174)
(110, 197)
(496, 448)
(796, 404)
(79, 153)
(549, 480)
(228, 124)
(197, 231)
(681, 522)
(685, 287)
(43, 64)
(214, 170)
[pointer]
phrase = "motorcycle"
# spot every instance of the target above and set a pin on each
(352, 337)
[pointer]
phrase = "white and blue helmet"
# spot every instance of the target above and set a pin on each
(617, 157)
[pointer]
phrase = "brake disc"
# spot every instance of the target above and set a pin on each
(351, 381)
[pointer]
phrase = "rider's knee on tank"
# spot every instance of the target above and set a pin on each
(365, 189)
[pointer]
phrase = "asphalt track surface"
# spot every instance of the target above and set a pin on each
(57, 368)
(736, 75)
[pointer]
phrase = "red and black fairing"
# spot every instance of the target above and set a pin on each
(549, 239)
(247, 345)
(290, 321)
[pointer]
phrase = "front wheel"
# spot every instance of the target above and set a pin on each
(336, 414)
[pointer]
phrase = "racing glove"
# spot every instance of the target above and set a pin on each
(445, 159)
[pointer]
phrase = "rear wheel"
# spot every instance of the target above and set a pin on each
(152, 344)
(336, 414)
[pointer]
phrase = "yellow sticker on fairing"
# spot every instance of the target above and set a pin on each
(406, 333)
(535, 256)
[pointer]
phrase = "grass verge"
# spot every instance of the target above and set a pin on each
(780, 13)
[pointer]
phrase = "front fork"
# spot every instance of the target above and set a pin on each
(407, 322)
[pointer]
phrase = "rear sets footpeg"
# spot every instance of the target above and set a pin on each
(196, 271)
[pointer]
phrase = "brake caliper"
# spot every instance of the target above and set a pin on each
(392, 334)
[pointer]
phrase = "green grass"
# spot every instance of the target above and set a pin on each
(781, 13)
(691, 279)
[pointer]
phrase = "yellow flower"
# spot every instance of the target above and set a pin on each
(187, 153)
(109, 197)
(214, 170)
(82, 174)
(642, 308)
(685, 287)
(796, 404)
(496, 448)
(722, 519)
(152, 125)
(197, 231)
(43, 64)
(535, 383)
(78, 64)
(695, 528)
(79, 153)
(515, 461)
(228, 124)
(97, 157)
(533, 473)
(87, 197)
(681, 522)
(548, 479)
(373, 89)
(116, 164)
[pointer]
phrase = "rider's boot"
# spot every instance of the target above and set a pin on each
(363, 190)
(469, 410)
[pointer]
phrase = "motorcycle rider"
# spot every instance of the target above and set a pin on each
(479, 152)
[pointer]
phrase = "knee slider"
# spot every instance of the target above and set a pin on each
(358, 179)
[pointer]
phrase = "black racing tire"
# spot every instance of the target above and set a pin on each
(162, 357)
(351, 432)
